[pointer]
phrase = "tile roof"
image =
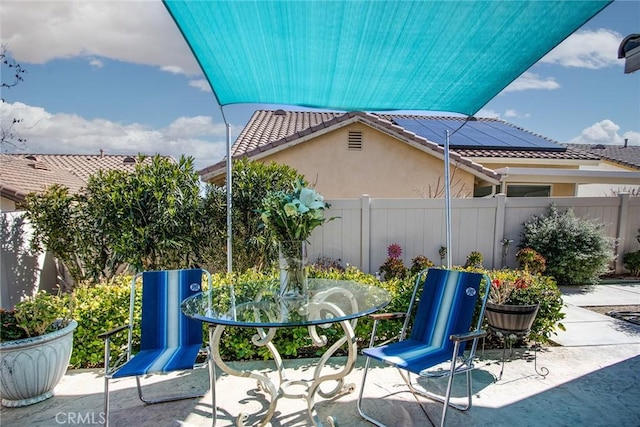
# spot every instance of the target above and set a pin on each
(21, 174)
(268, 129)
(627, 156)
(569, 154)
(265, 127)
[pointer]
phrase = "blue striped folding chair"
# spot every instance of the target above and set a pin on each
(440, 329)
(169, 340)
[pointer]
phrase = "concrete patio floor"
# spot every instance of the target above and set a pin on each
(594, 380)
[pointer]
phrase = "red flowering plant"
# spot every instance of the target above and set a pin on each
(520, 287)
(512, 287)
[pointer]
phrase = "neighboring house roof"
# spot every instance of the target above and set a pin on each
(21, 174)
(271, 131)
(628, 156)
(268, 131)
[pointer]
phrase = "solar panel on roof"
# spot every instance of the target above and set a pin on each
(481, 134)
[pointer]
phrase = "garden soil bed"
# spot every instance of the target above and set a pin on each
(629, 313)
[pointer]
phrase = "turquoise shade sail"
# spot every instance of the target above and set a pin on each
(372, 55)
(363, 55)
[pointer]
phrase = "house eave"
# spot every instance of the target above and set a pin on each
(529, 161)
(570, 176)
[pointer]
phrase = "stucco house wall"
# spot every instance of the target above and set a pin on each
(385, 167)
(606, 190)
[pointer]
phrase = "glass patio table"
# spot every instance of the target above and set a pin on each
(258, 306)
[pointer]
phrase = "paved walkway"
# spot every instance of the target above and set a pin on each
(594, 380)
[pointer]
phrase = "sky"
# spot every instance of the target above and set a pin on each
(118, 76)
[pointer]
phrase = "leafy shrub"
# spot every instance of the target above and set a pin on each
(632, 259)
(325, 263)
(393, 267)
(531, 261)
(147, 218)
(99, 308)
(35, 315)
(419, 263)
(576, 249)
(474, 259)
(8, 329)
(632, 262)
(252, 248)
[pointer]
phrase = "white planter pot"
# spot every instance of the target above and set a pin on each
(30, 368)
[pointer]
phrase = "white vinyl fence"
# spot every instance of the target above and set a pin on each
(365, 227)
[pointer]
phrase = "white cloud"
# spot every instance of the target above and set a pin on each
(587, 49)
(201, 84)
(195, 126)
(173, 69)
(140, 32)
(606, 132)
(48, 133)
(485, 113)
(96, 63)
(508, 114)
(529, 80)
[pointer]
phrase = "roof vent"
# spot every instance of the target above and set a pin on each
(279, 113)
(129, 160)
(34, 158)
(40, 165)
(355, 141)
(599, 147)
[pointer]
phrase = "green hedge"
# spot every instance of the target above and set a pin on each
(97, 309)
(102, 307)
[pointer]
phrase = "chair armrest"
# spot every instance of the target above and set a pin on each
(113, 331)
(387, 316)
(468, 336)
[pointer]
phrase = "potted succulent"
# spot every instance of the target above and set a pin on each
(36, 339)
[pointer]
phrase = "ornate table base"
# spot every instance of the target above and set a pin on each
(298, 389)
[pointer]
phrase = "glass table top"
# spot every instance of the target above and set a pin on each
(257, 304)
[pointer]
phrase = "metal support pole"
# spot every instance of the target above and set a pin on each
(229, 205)
(447, 198)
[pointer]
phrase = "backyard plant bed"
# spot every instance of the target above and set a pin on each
(629, 313)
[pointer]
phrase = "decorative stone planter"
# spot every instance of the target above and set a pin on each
(516, 319)
(30, 368)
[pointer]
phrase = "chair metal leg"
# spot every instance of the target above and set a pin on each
(360, 394)
(212, 378)
(164, 399)
(452, 372)
(106, 401)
